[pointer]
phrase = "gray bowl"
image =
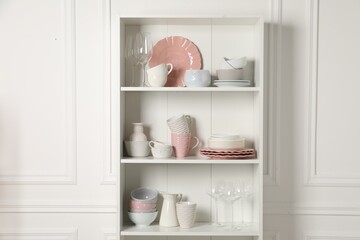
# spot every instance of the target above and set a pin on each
(229, 74)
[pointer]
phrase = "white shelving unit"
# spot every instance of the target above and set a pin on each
(213, 110)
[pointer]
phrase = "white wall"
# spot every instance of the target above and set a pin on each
(56, 176)
(56, 171)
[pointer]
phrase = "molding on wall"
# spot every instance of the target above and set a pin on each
(332, 236)
(110, 234)
(109, 175)
(69, 177)
(312, 177)
(287, 208)
(57, 207)
(30, 234)
(272, 176)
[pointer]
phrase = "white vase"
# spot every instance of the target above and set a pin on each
(138, 134)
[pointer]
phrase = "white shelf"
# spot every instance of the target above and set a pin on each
(187, 160)
(200, 229)
(186, 89)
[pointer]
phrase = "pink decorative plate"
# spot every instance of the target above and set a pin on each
(238, 153)
(181, 53)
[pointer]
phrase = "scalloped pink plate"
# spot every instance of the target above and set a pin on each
(181, 53)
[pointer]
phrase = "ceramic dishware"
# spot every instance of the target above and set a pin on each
(138, 132)
(186, 213)
(181, 53)
(168, 216)
(144, 195)
(142, 219)
(229, 74)
(197, 78)
(137, 148)
(140, 206)
(180, 123)
(160, 150)
(234, 63)
(157, 76)
(182, 143)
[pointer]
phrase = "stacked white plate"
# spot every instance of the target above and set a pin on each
(226, 141)
(232, 83)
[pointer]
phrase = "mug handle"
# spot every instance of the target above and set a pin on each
(197, 142)
(152, 142)
(171, 67)
(179, 197)
(188, 119)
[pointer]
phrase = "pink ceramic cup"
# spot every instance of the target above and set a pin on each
(182, 143)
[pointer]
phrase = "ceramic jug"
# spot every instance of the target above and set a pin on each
(168, 216)
(138, 133)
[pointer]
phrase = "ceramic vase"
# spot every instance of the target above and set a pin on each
(138, 133)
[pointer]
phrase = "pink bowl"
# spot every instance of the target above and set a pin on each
(136, 205)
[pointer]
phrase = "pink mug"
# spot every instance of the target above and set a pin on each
(182, 143)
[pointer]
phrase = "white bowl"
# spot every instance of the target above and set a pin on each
(197, 78)
(221, 136)
(142, 211)
(235, 63)
(142, 219)
(137, 148)
(226, 144)
(144, 195)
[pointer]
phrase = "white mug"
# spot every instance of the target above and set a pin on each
(157, 76)
(160, 150)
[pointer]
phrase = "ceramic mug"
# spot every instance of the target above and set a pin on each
(157, 76)
(182, 143)
(180, 123)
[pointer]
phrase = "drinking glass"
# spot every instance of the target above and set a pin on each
(231, 195)
(130, 56)
(216, 192)
(143, 46)
(247, 193)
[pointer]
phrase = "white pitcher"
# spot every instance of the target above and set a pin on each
(168, 216)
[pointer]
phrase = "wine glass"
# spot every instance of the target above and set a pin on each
(216, 192)
(130, 56)
(247, 193)
(231, 195)
(143, 46)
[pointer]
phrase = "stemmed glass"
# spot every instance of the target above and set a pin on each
(216, 193)
(231, 195)
(143, 46)
(130, 56)
(245, 193)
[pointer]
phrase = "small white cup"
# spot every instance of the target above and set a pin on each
(186, 213)
(157, 76)
(160, 150)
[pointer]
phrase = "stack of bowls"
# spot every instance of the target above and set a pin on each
(226, 141)
(142, 206)
(231, 73)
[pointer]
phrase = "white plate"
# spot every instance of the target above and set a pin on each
(232, 84)
(225, 136)
(220, 81)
